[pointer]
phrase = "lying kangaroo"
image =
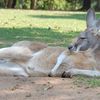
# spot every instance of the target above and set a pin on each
(90, 38)
(51, 61)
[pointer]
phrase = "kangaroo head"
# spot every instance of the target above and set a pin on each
(88, 38)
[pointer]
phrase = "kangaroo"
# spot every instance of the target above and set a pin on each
(50, 61)
(90, 38)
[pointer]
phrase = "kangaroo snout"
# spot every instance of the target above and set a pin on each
(72, 47)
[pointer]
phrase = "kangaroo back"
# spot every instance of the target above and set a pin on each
(33, 46)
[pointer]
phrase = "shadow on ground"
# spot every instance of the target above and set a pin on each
(77, 16)
(48, 35)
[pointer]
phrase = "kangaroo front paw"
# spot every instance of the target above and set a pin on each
(67, 74)
(52, 74)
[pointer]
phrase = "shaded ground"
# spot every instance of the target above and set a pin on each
(45, 88)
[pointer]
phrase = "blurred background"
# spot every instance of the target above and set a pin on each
(66, 5)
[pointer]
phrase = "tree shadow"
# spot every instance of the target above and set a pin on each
(67, 16)
(10, 35)
(76, 16)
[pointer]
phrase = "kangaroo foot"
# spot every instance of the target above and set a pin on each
(67, 74)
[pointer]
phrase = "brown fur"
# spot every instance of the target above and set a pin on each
(42, 62)
(82, 60)
(33, 46)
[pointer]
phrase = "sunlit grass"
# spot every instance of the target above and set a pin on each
(54, 28)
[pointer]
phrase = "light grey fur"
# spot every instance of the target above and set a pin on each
(90, 38)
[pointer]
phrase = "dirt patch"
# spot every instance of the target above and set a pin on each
(45, 88)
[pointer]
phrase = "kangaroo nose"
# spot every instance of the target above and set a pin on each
(70, 47)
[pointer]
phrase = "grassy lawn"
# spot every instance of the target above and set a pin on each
(54, 28)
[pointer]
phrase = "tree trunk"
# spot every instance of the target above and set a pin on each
(5, 3)
(9, 5)
(14, 3)
(50, 2)
(33, 4)
(97, 7)
(86, 4)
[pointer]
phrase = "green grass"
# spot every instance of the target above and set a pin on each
(88, 82)
(53, 27)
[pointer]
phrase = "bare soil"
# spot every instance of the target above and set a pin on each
(45, 88)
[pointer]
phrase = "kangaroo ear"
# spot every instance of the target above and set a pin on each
(90, 18)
